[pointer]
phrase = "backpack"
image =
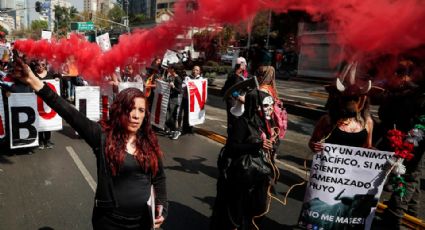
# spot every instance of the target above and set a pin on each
(280, 117)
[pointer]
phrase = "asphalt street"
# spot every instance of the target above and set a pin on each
(54, 188)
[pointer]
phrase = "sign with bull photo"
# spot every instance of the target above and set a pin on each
(344, 187)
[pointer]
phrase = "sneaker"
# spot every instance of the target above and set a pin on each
(41, 147)
(171, 134)
(176, 135)
(49, 145)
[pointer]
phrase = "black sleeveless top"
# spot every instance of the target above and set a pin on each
(132, 188)
(340, 137)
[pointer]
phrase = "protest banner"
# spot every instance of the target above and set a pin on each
(160, 104)
(170, 57)
(87, 101)
(49, 120)
(344, 187)
(23, 120)
(2, 118)
(125, 85)
(197, 91)
(46, 35)
(104, 42)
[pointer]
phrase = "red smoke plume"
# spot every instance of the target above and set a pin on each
(374, 27)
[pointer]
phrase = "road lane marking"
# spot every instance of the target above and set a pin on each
(82, 168)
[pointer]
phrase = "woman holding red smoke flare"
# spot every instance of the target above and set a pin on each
(128, 157)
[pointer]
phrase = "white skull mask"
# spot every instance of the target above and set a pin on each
(268, 107)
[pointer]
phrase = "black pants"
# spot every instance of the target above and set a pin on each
(108, 220)
(183, 118)
(172, 115)
(44, 137)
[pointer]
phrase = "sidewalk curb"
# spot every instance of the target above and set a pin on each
(407, 220)
(306, 110)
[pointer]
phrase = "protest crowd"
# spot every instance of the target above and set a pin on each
(174, 102)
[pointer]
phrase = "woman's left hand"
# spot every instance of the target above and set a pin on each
(158, 221)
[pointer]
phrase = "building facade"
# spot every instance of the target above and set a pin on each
(97, 5)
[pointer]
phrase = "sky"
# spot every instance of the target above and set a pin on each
(79, 4)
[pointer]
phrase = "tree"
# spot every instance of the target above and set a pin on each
(36, 27)
(63, 18)
(137, 19)
(116, 14)
(3, 29)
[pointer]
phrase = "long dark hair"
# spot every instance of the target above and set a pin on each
(147, 148)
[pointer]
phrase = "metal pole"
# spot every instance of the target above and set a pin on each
(268, 28)
(50, 16)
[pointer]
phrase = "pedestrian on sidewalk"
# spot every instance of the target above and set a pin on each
(242, 188)
(128, 157)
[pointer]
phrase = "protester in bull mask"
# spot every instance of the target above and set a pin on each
(348, 121)
(242, 189)
(129, 160)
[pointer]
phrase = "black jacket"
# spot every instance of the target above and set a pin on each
(92, 133)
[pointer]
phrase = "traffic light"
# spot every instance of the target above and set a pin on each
(37, 6)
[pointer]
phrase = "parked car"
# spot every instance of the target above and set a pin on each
(227, 57)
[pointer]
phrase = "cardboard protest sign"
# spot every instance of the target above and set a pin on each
(23, 120)
(87, 101)
(197, 91)
(125, 85)
(104, 42)
(46, 35)
(49, 120)
(170, 57)
(160, 104)
(344, 188)
(2, 118)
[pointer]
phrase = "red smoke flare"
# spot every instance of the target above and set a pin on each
(364, 26)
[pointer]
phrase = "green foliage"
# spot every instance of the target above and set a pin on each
(116, 13)
(39, 25)
(63, 18)
(137, 19)
(214, 67)
(210, 76)
(3, 29)
(211, 63)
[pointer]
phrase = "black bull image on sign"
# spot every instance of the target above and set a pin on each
(349, 213)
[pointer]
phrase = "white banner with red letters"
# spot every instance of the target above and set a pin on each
(87, 101)
(2, 117)
(49, 120)
(197, 95)
(23, 120)
(160, 104)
